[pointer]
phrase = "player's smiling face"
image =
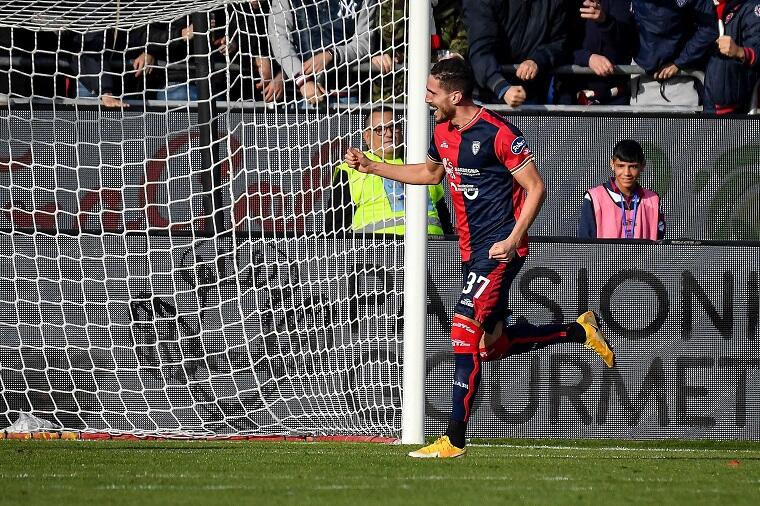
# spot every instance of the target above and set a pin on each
(441, 100)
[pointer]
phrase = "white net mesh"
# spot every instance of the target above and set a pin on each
(165, 267)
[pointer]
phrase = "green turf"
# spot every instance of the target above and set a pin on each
(57, 473)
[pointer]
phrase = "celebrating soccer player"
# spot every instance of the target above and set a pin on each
(497, 192)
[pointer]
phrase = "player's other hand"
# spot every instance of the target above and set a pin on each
(356, 160)
(503, 251)
(515, 96)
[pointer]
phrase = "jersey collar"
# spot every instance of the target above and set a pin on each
(472, 121)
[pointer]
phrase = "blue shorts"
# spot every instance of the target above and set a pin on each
(485, 290)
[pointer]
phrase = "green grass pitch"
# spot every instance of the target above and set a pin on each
(58, 473)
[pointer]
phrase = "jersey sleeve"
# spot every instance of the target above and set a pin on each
(512, 150)
(433, 150)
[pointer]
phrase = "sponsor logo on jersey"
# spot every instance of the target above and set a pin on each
(459, 342)
(757, 10)
(449, 168)
(464, 326)
(461, 384)
(444, 145)
(518, 145)
(475, 147)
(470, 191)
(453, 172)
(467, 302)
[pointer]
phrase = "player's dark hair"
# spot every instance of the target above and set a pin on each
(629, 151)
(454, 74)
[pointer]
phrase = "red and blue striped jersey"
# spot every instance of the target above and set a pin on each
(480, 159)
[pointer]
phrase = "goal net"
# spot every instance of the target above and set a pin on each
(169, 259)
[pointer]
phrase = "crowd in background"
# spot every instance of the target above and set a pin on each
(316, 52)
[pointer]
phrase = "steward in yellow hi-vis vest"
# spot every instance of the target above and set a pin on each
(367, 203)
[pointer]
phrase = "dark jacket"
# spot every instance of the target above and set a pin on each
(728, 82)
(615, 38)
(512, 31)
(98, 58)
(164, 42)
(674, 31)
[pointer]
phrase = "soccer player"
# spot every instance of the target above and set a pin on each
(497, 193)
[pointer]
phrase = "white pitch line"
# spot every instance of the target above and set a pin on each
(613, 448)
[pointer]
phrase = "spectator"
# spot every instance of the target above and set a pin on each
(732, 71)
(254, 44)
(172, 42)
(449, 39)
(621, 208)
(602, 35)
(450, 27)
(93, 58)
(392, 21)
(673, 35)
(532, 34)
(317, 42)
(369, 203)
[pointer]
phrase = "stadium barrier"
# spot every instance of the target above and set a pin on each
(704, 168)
(683, 318)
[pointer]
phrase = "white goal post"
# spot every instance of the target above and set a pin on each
(169, 260)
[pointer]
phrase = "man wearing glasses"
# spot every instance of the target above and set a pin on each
(366, 203)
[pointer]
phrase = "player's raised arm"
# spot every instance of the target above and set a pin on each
(429, 172)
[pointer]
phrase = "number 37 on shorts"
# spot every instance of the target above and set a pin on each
(485, 290)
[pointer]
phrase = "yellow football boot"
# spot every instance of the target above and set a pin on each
(440, 449)
(595, 339)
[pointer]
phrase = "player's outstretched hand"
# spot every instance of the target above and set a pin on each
(356, 160)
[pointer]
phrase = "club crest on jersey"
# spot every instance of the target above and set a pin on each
(518, 145)
(475, 147)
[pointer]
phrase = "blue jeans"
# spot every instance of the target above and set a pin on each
(178, 91)
(83, 91)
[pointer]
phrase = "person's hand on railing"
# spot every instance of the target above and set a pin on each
(109, 100)
(728, 47)
(272, 87)
(592, 10)
(527, 70)
(600, 65)
(143, 64)
(317, 63)
(515, 96)
(312, 91)
(666, 72)
(383, 62)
